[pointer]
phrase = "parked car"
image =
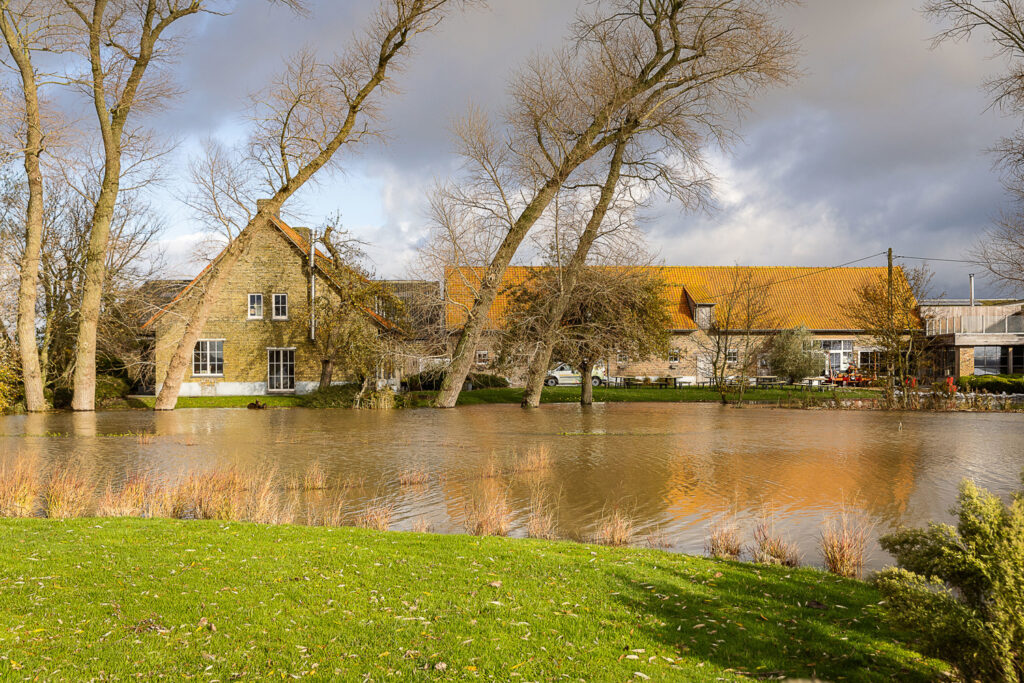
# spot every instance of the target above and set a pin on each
(564, 375)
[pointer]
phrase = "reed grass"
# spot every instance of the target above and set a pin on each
(615, 528)
(491, 468)
(68, 493)
(658, 539)
(541, 521)
(377, 515)
(422, 526)
(844, 542)
(315, 478)
(19, 488)
(413, 477)
(489, 514)
(536, 460)
(723, 540)
(769, 546)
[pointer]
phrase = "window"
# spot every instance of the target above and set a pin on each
(255, 307)
(839, 353)
(673, 356)
(482, 357)
(280, 369)
(280, 306)
(732, 355)
(208, 358)
(622, 358)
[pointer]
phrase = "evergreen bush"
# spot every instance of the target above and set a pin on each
(962, 588)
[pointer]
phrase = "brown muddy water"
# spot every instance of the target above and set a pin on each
(674, 468)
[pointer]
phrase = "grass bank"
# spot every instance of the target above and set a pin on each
(113, 599)
(641, 395)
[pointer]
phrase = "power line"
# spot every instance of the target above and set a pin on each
(946, 260)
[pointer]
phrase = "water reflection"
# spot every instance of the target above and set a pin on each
(673, 467)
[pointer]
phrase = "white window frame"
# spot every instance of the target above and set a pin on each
(273, 303)
(482, 356)
(208, 364)
(674, 355)
(732, 355)
(285, 390)
(622, 358)
(249, 306)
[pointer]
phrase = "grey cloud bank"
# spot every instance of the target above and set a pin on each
(881, 143)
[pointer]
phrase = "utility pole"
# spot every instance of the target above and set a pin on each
(891, 332)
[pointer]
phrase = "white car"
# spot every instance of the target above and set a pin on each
(564, 376)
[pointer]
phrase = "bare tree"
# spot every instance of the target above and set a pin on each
(30, 26)
(673, 71)
(1001, 251)
(739, 335)
(888, 313)
(125, 45)
(299, 123)
(608, 310)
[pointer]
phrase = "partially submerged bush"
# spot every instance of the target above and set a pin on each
(430, 380)
(962, 588)
(334, 396)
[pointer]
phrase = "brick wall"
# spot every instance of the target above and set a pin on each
(272, 265)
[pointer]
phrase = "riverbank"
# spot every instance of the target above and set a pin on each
(513, 395)
(117, 598)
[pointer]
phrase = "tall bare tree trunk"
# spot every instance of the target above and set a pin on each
(586, 383)
(35, 400)
(541, 360)
(469, 339)
(92, 288)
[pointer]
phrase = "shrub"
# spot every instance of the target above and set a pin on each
(994, 384)
(10, 382)
(109, 387)
(335, 396)
(962, 588)
(430, 380)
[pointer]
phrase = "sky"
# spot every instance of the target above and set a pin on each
(880, 143)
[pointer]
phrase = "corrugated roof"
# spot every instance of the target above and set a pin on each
(817, 298)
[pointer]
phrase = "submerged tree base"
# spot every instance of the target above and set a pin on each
(121, 598)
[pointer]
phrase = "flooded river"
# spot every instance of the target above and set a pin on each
(674, 468)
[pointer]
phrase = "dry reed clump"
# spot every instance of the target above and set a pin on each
(541, 522)
(422, 526)
(489, 515)
(68, 493)
(19, 488)
(315, 478)
(723, 540)
(658, 539)
(413, 477)
(261, 502)
(325, 511)
(145, 438)
(491, 468)
(377, 515)
(536, 460)
(771, 548)
(844, 542)
(615, 528)
(140, 496)
(351, 481)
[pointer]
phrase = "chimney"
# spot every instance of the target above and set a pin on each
(264, 205)
(972, 289)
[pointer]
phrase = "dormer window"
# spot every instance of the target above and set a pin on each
(280, 307)
(255, 307)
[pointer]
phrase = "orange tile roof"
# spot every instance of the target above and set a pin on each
(817, 298)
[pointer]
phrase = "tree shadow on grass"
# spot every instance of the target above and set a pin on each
(772, 623)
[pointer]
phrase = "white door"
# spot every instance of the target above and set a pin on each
(280, 369)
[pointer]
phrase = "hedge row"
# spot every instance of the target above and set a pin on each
(994, 384)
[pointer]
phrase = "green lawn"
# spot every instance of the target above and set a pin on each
(422, 399)
(116, 599)
(228, 401)
(650, 395)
